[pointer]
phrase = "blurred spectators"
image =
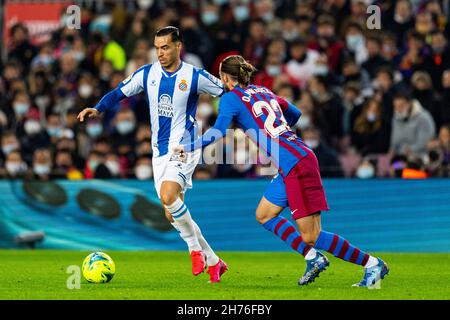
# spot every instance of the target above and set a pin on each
(349, 83)
(327, 158)
(437, 159)
(328, 110)
(303, 63)
(370, 133)
(412, 126)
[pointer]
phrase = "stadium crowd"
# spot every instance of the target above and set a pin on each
(375, 103)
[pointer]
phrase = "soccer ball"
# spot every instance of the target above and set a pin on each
(98, 267)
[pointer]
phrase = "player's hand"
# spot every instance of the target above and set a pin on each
(89, 112)
(178, 150)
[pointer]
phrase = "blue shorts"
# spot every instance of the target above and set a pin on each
(301, 189)
(276, 191)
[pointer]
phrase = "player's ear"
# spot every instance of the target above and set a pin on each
(224, 77)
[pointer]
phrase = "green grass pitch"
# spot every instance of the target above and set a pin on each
(41, 274)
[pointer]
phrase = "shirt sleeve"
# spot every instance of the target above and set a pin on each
(131, 86)
(134, 84)
(291, 113)
(227, 111)
(207, 83)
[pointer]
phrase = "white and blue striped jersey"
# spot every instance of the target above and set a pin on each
(172, 99)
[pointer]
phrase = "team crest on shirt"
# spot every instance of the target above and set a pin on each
(183, 85)
(165, 108)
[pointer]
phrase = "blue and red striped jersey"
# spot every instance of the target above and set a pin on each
(265, 118)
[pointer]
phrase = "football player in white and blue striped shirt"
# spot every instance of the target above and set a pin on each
(172, 88)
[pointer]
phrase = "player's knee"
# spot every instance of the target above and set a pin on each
(167, 198)
(262, 216)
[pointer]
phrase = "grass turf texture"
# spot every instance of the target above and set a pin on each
(41, 274)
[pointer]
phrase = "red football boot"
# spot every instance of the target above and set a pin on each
(216, 271)
(198, 262)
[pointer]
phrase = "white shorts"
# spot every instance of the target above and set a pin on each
(165, 169)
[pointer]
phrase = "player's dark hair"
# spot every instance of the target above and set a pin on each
(238, 68)
(170, 30)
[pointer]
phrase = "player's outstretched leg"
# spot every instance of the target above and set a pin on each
(310, 227)
(185, 225)
(375, 268)
(216, 266)
(267, 214)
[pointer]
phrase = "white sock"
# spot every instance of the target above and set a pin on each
(184, 224)
(372, 262)
(211, 258)
(312, 253)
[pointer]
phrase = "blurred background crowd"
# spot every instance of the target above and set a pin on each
(375, 103)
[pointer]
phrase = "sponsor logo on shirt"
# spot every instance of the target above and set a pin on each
(165, 108)
(127, 79)
(214, 79)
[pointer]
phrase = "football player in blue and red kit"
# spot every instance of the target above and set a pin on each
(298, 185)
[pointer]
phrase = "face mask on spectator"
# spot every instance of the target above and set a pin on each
(145, 4)
(13, 168)
(273, 70)
(304, 122)
(315, 94)
(321, 70)
(290, 35)
(219, 2)
(32, 127)
(113, 167)
(54, 131)
(125, 126)
(21, 108)
(354, 42)
(312, 143)
(94, 129)
(143, 172)
(105, 76)
(387, 49)
(42, 101)
(267, 17)
(240, 13)
(93, 164)
(210, 17)
(85, 90)
(365, 172)
(371, 116)
(204, 110)
(79, 55)
(44, 59)
(41, 169)
(8, 148)
(401, 115)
